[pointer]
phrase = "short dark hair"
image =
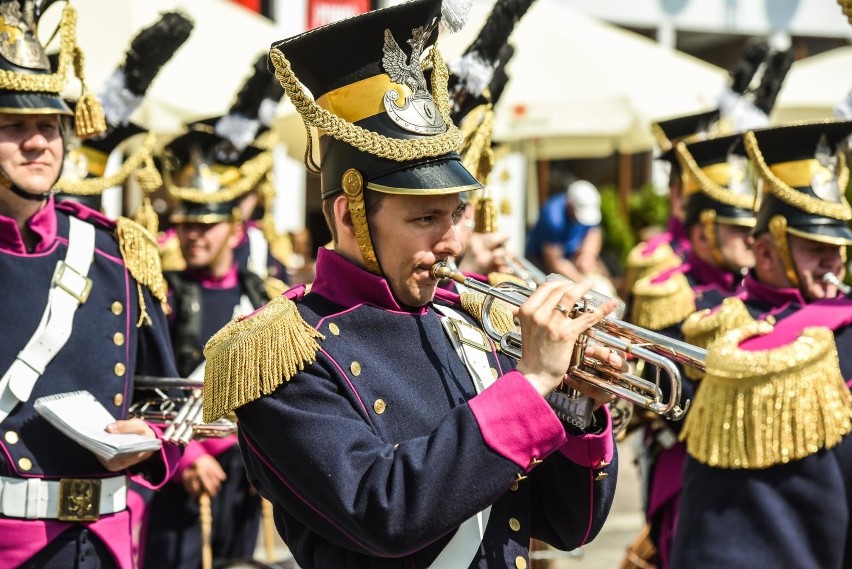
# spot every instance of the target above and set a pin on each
(372, 202)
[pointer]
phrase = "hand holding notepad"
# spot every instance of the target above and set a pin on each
(82, 418)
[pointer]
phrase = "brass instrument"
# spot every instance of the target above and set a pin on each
(831, 278)
(656, 349)
(180, 417)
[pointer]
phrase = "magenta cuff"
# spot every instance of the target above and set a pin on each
(516, 422)
(591, 450)
(169, 455)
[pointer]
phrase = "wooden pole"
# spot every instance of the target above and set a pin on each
(205, 514)
(268, 529)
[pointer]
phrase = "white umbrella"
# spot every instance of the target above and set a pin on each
(814, 86)
(580, 83)
(202, 78)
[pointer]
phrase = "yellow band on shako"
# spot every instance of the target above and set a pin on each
(363, 99)
(799, 173)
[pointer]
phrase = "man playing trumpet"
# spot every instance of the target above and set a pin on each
(379, 420)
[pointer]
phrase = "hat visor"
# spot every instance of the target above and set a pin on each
(824, 233)
(588, 215)
(33, 103)
(444, 176)
(203, 218)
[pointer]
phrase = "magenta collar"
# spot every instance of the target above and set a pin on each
(347, 284)
(206, 280)
(43, 224)
(774, 296)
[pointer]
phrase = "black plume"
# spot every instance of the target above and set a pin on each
(498, 27)
(498, 82)
(254, 90)
(152, 48)
(770, 84)
(744, 69)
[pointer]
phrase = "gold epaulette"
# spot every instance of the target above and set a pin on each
(496, 278)
(757, 409)
(500, 313)
(639, 265)
(703, 327)
(171, 256)
(252, 356)
(274, 287)
(142, 259)
(660, 304)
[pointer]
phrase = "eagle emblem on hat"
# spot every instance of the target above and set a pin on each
(418, 114)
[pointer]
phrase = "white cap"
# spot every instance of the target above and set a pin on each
(584, 197)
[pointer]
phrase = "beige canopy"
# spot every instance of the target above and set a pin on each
(814, 86)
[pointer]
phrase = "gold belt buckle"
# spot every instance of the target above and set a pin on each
(79, 499)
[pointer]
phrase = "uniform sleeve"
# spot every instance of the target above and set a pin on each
(311, 450)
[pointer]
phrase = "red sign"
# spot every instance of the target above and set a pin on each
(322, 12)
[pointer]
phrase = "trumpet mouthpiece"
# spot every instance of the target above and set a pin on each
(441, 270)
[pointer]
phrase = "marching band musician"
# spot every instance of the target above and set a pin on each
(212, 290)
(767, 434)
(718, 217)
(376, 416)
(82, 312)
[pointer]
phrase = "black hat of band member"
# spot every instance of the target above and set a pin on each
(803, 172)
(382, 126)
(85, 164)
(208, 190)
(27, 83)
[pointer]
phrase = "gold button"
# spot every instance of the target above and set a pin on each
(116, 308)
(25, 463)
(535, 462)
(379, 406)
(520, 562)
(494, 372)
(118, 339)
(514, 524)
(119, 369)
(514, 487)
(355, 368)
(603, 464)
(601, 475)
(334, 329)
(11, 437)
(118, 399)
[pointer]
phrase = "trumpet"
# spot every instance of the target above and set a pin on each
(180, 417)
(524, 269)
(660, 351)
(831, 278)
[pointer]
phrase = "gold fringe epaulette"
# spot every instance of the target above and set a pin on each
(496, 278)
(142, 259)
(658, 305)
(703, 327)
(171, 256)
(252, 356)
(274, 287)
(500, 313)
(639, 265)
(757, 409)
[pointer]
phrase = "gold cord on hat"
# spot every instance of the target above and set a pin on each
(398, 150)
(707, 218)
(778, 230)
(717, 192)
(139, 159)
(251, 172)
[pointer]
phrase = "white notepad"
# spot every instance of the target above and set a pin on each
(81, 417)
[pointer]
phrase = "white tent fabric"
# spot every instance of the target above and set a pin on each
(588, 84)
(203, 77)
(814, 85)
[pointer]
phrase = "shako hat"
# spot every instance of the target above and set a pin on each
(374, 110)
(207, 188)
(27, 82)
(717, 185)
(803, 172)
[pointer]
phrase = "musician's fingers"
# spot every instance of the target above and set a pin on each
(613, 358)
(131, 426)
(546, 297)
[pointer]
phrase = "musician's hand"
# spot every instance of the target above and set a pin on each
(549, 334)
(483, 253)
(131, 426)
(613, 359)
(204, 474)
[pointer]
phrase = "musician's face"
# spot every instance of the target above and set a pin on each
(410, 234)
(735, 245)
(204, 244)
(812, 261)
(31, 150)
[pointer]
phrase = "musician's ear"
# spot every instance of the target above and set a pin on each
(342, 217)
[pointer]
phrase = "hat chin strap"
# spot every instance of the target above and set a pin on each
(353, 187)
(7, 182)
(708, 226)
(778, 230)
